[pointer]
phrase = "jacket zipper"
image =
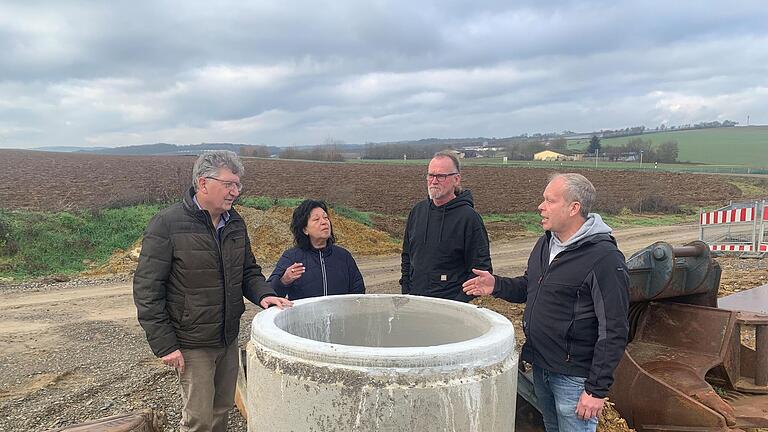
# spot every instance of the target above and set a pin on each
(541, 279)
(322, 269)
(212, 230)
(571, 326)
(538, 292)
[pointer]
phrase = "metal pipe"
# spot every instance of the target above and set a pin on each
(687, 251)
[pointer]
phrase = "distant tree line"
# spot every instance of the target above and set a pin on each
(701, 125)
(635, 130)
(639, 130)
(525, 148)
(666, 152)
(328, 153)
(398, 151)
(255, 151)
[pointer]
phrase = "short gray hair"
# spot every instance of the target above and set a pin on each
(578, 189)
(209, 163)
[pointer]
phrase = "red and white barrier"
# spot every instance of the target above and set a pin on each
(736, 230)
(732, 247)
(763, 246)
(729, 216)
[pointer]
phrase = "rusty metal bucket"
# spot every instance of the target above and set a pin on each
(685, 367)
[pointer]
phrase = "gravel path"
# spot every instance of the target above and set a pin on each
(62, 365)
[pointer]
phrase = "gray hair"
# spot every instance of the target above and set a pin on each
(209, 163)
(450, 155)
(457, 166)
(578, 189)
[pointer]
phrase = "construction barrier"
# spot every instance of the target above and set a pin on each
(762, 242)
(739, 227)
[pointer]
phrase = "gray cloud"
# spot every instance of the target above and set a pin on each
(280, 73)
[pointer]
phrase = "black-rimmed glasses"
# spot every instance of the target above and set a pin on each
(440, 177)
(230, 185)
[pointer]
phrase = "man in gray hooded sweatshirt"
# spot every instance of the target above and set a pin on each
(576, 296)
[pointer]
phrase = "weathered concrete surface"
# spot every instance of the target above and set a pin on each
(381, 362)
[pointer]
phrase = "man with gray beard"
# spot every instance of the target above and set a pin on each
(445, 237)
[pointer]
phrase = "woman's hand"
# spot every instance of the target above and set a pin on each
(293, 272)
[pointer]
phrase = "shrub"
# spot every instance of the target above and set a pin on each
(656, 204)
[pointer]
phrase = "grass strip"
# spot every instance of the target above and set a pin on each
(37, 243)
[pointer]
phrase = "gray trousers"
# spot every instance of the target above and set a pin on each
(208, 388)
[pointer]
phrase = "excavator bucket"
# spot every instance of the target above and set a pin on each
(685, 367)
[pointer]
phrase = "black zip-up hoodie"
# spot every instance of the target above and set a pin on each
(327, 271)
(575, 319)
(441, 246)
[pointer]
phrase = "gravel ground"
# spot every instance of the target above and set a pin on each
(85, 371)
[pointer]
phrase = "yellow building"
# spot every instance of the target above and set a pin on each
(549, 155)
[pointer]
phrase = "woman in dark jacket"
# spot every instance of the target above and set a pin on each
(315, 266)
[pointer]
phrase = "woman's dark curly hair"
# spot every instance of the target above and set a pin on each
(300, 220)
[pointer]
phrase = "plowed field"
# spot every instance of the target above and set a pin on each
(56, 181)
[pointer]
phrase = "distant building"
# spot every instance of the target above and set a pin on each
(481, 151)
(549, 155)
(458, 154)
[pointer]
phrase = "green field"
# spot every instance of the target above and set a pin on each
(733, 150)
(558, 165)
(724, 147)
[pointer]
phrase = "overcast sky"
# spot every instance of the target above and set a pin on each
(113, 73)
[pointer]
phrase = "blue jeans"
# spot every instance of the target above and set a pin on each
(558, 395)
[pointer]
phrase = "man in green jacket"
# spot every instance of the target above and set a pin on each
(195, 267)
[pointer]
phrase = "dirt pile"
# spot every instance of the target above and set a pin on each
(269, 231)
(611, 421)
(741, 274)
(121, 262)
(270, 235)
(738, 275)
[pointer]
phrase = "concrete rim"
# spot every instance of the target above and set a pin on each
(494, 346)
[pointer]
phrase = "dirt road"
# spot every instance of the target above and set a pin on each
(74, 351)
(509, 258)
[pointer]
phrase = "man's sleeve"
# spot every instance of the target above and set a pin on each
(255, 287)
(514, 290)
(405, 260)
(476, 245)
(610, 294)
(149, 288)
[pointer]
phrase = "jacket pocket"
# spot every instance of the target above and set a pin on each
(443, 284)
(237, 241)
(238, 308)
(234, 250)
(567, 292)
(185, 313)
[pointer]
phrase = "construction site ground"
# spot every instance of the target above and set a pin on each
(72, 351)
